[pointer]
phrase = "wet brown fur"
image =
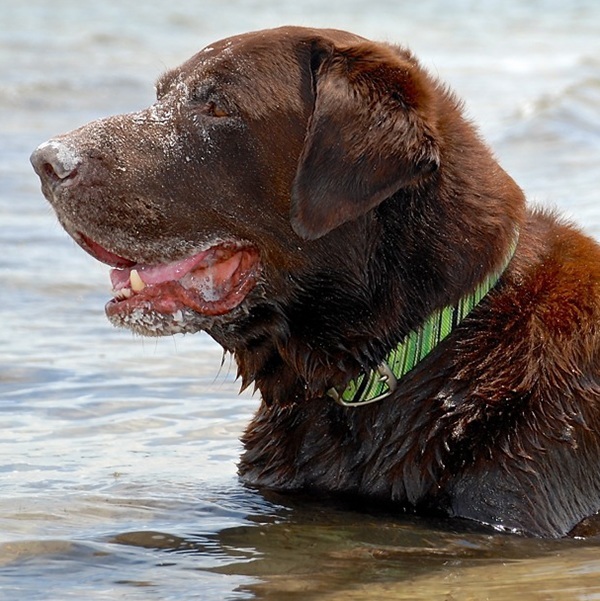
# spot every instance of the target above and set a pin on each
(372, 202)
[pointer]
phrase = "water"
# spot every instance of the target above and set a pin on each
(117, 454)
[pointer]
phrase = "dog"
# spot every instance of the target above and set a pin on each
(319, 205)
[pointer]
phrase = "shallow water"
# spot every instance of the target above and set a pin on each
(117, 454)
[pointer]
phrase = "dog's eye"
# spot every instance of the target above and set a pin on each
(214, 110)
(207, 104)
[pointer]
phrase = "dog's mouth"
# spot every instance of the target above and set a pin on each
(167, 298)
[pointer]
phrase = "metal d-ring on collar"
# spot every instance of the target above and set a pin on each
(381, 382)
(382, 378)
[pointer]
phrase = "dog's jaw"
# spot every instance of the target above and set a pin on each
(180, 295)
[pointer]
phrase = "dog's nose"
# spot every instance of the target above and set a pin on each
(54, 161)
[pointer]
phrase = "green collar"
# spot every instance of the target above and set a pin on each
(379, 383)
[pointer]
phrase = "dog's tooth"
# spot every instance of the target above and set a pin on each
(136, 282)
(122, 294)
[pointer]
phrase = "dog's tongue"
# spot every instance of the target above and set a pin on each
(211, 282)
(152, 299)
(140, 275)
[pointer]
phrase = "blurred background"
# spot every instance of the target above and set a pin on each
(117, 454)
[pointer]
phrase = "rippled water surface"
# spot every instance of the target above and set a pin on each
(117, 454)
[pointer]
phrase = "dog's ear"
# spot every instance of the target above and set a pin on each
(372, 131)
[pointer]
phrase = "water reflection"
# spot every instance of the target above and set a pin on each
(324, 551)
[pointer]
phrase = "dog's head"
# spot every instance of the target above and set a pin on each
(255, 145)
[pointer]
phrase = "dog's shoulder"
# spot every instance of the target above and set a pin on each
(538, 375)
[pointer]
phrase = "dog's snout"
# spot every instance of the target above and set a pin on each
(54, 161)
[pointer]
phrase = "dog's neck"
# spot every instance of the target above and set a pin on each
(377, 384)
(294, 356)
(296, 368)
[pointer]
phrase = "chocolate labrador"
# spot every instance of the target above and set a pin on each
(319, 205)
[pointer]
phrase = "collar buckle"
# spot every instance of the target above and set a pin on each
(382, 382)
